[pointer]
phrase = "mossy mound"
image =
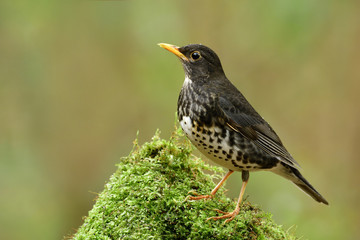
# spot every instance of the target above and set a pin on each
(145, 199)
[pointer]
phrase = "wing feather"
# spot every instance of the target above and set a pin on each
(257, 130)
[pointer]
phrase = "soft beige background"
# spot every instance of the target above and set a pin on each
(79, 79)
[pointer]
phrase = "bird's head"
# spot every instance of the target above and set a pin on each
(199, 61)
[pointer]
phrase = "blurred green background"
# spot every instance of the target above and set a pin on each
(79, 79)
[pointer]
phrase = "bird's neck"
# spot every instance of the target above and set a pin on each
(195, 103)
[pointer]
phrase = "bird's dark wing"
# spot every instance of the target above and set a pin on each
(254, 128)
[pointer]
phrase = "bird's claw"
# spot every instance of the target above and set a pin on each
(199, 197)
(222, 212)
(229, 215)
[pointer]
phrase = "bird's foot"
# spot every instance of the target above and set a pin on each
(229, 215)
(198, 196)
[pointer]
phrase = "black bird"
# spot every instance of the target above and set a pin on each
(222, 124)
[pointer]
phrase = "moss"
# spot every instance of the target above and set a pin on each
(145, 199)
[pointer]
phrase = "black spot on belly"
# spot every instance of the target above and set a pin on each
(245, 158)
(231, 139)
(236, 165)
(223, 134)
(239, 156)
(252, 159)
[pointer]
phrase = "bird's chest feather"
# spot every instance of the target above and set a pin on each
(197, 104)
(204, 125)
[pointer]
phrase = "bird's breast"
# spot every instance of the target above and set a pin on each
(197, 104)
(206, 129)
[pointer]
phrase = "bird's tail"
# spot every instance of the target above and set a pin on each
(302, 183)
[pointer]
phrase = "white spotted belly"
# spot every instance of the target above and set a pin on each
(212, 142)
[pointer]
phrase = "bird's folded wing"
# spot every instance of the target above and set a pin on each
(255, 129)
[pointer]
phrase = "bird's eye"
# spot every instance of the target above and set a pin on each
(195, 55)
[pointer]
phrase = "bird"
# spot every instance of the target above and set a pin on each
(217, 118)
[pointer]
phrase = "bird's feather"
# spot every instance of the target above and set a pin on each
(255, 129)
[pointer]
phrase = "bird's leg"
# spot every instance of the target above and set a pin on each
(231, 215)
(213, 192)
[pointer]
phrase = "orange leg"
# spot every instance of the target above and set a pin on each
(213, 192)
(230, 216)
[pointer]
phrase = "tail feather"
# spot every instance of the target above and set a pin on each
(302, 183)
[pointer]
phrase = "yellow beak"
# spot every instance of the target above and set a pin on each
(174, 49)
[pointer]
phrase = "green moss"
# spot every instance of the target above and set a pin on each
(145, 199)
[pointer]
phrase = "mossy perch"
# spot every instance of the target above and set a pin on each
(146, 199)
